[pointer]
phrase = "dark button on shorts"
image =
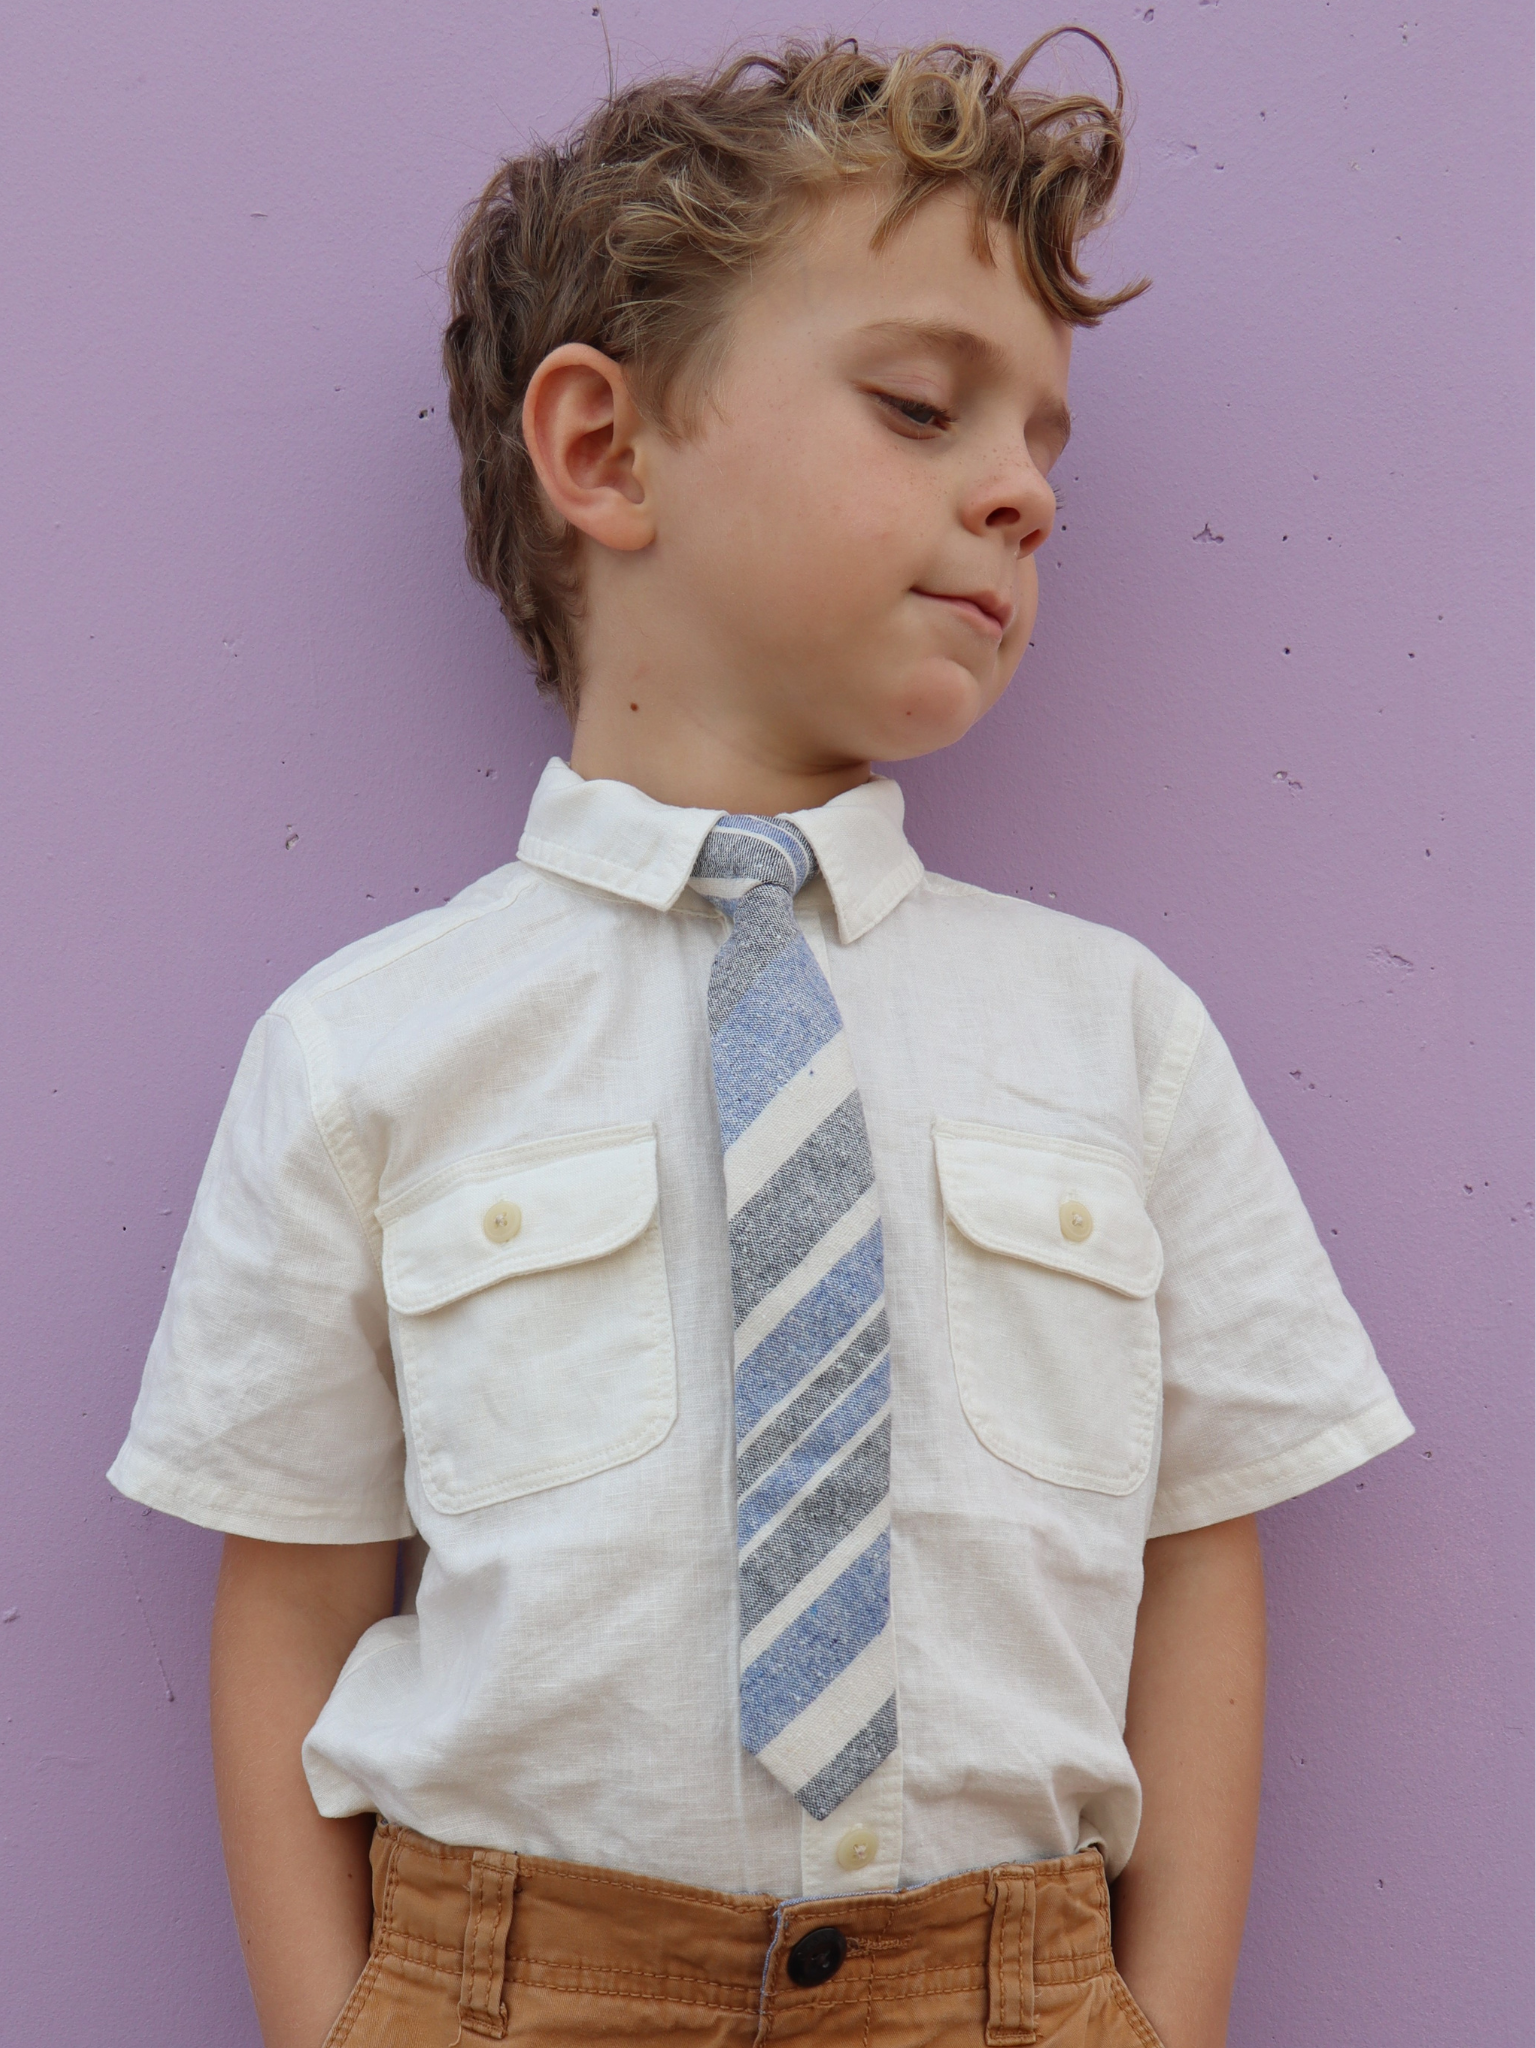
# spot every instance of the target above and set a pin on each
(817, 1956)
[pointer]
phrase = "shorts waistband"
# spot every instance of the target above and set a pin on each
(495, 1920)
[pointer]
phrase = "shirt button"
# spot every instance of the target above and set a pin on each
(817, 1956)
(503, 1220)
(1076, 1221)
(856, 1851)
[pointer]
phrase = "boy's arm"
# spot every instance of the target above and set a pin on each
(1195, 1730)
(284, 1622)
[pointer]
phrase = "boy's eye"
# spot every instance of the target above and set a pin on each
(916, 411)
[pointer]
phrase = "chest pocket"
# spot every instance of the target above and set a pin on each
(1051, 1262)
(529, 1315)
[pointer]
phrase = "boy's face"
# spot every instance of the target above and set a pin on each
(847, 533)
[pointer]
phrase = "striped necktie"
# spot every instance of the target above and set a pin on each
(812, 1357)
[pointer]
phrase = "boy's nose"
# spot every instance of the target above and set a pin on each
(1021, 504)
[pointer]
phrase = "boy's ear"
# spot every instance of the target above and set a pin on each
(584, 434)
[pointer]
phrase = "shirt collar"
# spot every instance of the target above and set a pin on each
(615, 837)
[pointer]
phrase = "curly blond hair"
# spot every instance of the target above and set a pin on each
(631, 234)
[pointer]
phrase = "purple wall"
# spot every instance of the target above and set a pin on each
(1275, 725)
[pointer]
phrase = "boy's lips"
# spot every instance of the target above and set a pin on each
(987, 610)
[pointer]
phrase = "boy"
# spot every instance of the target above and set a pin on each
(713, 1163)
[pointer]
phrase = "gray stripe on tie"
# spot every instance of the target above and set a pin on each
(765, 927)
(794, 1209)
(731, 855)
(816, 1526)
(788, 1428)
(853, 1763)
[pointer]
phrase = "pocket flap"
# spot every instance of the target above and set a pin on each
(1074, 1208)
(526, 1209)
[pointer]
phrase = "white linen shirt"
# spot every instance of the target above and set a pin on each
(458, 1265)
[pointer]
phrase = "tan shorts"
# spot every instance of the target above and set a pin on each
(473, 1944)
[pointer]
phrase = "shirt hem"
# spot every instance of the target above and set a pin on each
(165, 1489)
(1199, 1502)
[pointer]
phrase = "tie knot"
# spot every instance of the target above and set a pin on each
(742, 854)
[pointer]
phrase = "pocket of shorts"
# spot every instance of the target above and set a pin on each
(530, 1316)
(1051, 1265)
(357, 1999)
(1138, 2026)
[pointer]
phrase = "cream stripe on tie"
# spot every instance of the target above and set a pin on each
(812, 1349)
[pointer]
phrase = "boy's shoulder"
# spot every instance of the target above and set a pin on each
(1027, 952)
(400, 960)
(1090, 981)
(1043, 921)
(1046, 938)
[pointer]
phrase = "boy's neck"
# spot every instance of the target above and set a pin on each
(662, 744)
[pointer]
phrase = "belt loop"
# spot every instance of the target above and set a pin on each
(1011, 1957)
(384, 1855)
(492, 1884)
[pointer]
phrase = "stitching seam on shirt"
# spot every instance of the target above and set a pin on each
(660, 1397)
(599, 871)
(879, 901)
(355, 1528)
(1039, 1457)
(298, 1011)
(523, 1157)
(310, 1043)
(1311, 1462)
(146, 1470)
(452, 1500)
(517, 886)
(584, 1252)
(355, 1663)
(1153, 1153)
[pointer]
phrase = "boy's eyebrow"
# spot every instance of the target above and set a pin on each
(966, 347)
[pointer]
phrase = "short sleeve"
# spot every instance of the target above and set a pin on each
(268, 1405)
(1270, 1384)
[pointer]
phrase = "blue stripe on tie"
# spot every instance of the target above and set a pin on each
(784, 1018)
(819, 1322)
(756, 826)
(785, 837)
(866, 1398)
(816, 1647)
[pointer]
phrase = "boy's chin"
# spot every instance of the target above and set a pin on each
(938, 705)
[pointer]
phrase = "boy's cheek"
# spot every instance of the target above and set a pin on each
(831, 571)
(809, 545)
(860, 549)
(842, 499)
(775, 529)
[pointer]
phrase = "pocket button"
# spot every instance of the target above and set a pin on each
(1076, 1221)
(503, 1220)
